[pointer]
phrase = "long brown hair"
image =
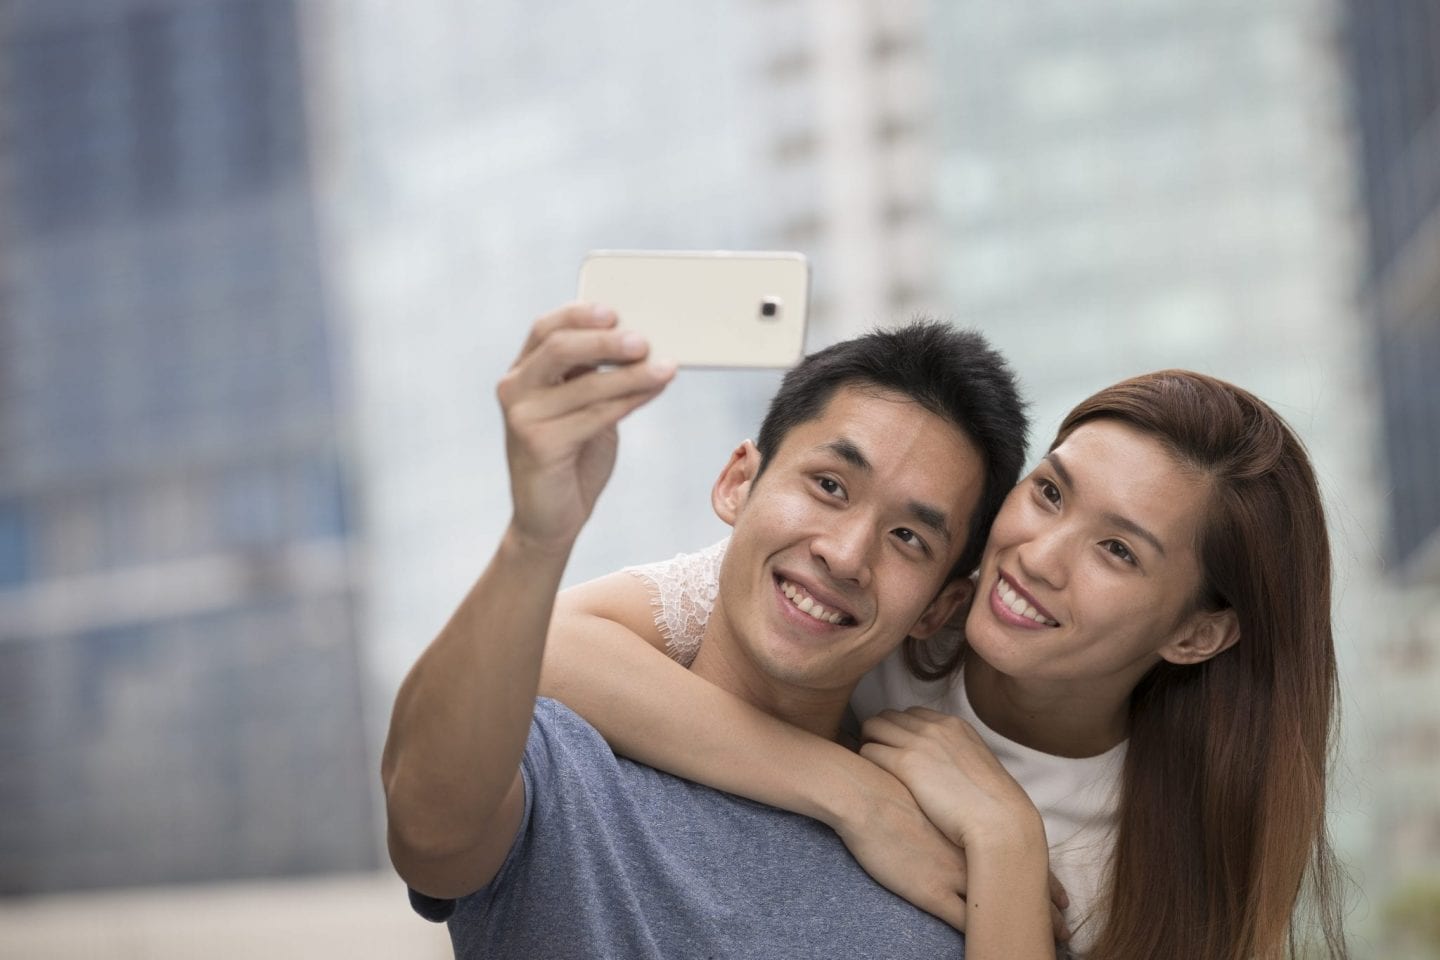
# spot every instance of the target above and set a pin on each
(1222, 827)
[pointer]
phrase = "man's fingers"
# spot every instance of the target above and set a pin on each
(580, 425)
(566, 352)
(576, 314)
(596, 386)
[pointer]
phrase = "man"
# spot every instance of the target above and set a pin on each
(880, 464)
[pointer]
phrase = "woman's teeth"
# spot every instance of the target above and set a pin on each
(806, 604)
(1018, 604)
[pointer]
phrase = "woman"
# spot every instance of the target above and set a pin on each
(1149, 654)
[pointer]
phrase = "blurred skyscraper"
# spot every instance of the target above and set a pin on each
(475, 153)
(1127, 187)
(848, 140)
(1394, 46)
(179, 678)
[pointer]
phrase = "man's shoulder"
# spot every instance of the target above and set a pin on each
(560, 737)
(555, 716)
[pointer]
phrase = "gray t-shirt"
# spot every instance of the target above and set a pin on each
(617, 859)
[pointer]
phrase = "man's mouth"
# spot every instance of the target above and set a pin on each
(1019, 605)
(808, 605)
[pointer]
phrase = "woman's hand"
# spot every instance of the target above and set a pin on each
(960, 786)
(900, 848)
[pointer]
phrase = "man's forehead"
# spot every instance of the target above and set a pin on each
(853, 406)
(925, 461)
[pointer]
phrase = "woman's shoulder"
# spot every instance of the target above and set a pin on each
(891, 686)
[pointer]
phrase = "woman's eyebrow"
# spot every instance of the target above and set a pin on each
(1123, 522)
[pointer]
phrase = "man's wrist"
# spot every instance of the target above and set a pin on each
(519, 543)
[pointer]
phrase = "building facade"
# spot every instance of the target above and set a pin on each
(1129, 187)
(179, 659)
(1394, 52)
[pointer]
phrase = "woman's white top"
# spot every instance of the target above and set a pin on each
(1078, 799)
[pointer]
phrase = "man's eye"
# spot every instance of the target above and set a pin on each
(909, 536)
(1118, 549)
(831, 486)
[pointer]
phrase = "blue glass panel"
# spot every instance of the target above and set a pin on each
(14, 543)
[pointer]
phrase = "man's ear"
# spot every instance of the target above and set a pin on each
(955, 595)
(1208, 633)
(732, 488)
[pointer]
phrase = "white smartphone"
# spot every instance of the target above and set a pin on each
(713, 308)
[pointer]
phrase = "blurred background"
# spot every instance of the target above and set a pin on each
(263, 261)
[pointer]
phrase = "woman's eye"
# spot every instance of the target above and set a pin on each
(1118, 549)
(1048, 490)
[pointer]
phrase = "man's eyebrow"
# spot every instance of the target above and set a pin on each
(1123, 522)
(932, 518)
(846, 450)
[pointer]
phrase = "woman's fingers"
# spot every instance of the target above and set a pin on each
(1057, 892)
(949, 907)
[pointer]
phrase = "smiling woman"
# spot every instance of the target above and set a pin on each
(1149, 655)
(1222, 808)
(1081, 595)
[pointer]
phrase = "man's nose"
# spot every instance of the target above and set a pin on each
(846, 548)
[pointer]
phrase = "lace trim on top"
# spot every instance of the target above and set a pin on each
(682, 594)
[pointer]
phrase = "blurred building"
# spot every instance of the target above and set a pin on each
(1127, 187)
(179, 673)
(848, 137)
(472, 154)
(1394, 48)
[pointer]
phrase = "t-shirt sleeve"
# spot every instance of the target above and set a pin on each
(535, 773)
(682, 594)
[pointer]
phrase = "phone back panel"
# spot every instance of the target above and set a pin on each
(706, 309)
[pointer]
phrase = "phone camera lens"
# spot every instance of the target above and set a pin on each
(769, 308)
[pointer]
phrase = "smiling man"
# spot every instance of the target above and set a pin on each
(856, 519)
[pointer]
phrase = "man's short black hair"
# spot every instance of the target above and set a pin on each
(953, 373)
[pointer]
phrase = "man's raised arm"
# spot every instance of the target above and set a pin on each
(451, 766)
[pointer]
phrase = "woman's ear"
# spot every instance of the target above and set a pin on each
(732, 488)
(952, 600)
(1207, 634)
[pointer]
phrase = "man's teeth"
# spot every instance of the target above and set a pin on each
(1018, 604)
(807, 604)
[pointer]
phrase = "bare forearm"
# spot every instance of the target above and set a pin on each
(462, 716)
(1008, 912)
(653, 710)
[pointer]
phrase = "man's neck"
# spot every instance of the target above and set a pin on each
(724, 664)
